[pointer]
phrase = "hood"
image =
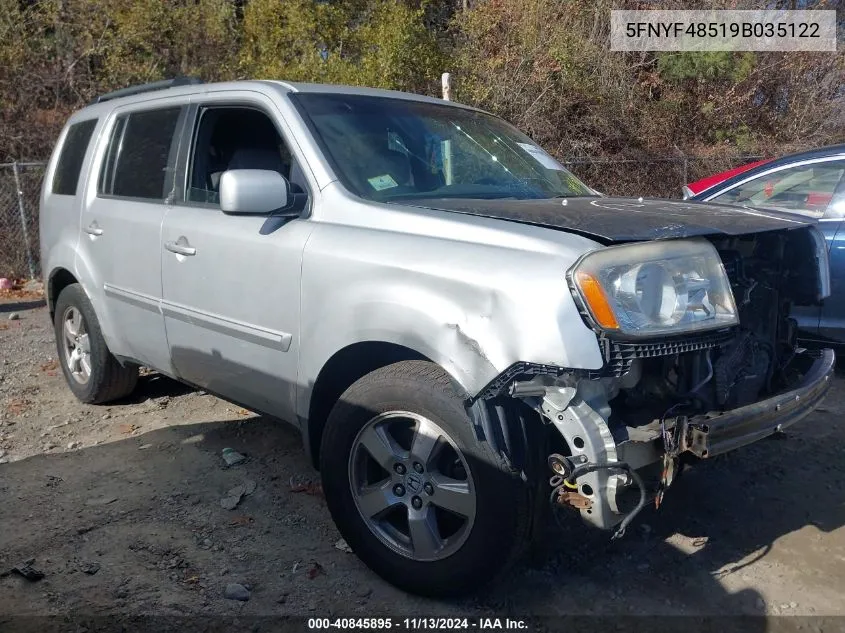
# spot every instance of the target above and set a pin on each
(622, 219)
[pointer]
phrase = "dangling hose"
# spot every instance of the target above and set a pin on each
(584, 469)
(695, 389)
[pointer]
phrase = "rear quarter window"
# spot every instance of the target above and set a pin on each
(69, 165)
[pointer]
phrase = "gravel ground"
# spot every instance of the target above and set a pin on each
(119, 506)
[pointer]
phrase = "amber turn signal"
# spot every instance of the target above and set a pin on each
(596, 299)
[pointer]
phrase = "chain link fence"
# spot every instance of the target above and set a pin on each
(661, 177)
(20, 187)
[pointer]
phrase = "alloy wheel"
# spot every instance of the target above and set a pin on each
(76, 344)
(412, 485)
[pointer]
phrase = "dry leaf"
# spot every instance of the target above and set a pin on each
(16, 406)
(315, 570)
(20, 294)
(309, 487)
(241, 520)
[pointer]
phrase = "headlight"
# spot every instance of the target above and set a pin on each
(654, 288)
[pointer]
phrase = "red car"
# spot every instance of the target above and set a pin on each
(700, 186)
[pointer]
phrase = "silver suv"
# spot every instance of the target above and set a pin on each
(467, 336)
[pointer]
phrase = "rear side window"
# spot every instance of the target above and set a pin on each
(73, 151)
(138, 154)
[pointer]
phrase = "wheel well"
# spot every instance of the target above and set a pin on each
(59, 280)
(338, 374)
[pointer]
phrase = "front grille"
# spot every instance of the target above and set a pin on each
(619, 355)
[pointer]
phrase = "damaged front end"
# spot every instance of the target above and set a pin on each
(700, 357)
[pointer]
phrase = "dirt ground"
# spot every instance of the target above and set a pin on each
(120, 508)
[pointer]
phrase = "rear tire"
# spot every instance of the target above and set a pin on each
(474, 509)
(93, 374)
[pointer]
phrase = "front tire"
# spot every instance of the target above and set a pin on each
(93, 374)
(418, 496)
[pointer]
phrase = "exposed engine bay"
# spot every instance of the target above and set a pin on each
(660, 400)
(768, 273)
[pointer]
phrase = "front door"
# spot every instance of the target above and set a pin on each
(231, 283)
(121, 230)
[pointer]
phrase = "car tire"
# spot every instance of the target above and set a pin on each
(93, 374)
(374, 427)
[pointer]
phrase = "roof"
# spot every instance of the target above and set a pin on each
(180, 87)
(358, 90)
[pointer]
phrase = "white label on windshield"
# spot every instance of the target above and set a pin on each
(385, 181)
(541, 156)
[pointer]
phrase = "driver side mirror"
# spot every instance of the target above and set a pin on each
(253, 192)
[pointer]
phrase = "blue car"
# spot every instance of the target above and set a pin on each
(811, 184)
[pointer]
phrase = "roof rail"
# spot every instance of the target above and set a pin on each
(156, 85)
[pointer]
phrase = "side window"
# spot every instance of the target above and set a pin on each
(70, 160)
(807, 189)
(235, 138)
(138, 154)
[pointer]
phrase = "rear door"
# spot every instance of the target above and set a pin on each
(231, 283)
(121, 227)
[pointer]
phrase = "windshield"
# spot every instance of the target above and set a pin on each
(388, 149)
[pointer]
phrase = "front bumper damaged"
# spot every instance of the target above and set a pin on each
(712, 434)
(581, 412)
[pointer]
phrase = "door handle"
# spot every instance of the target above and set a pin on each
(180, 247)
(94, 229)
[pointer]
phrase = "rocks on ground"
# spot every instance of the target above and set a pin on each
(89, 568)
(236, 591)
(232, 457)
(234, 496)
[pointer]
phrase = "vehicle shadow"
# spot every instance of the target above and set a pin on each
(723, 515)
(166, 497)
(18, 306)
(694, 554)
(154, 385)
